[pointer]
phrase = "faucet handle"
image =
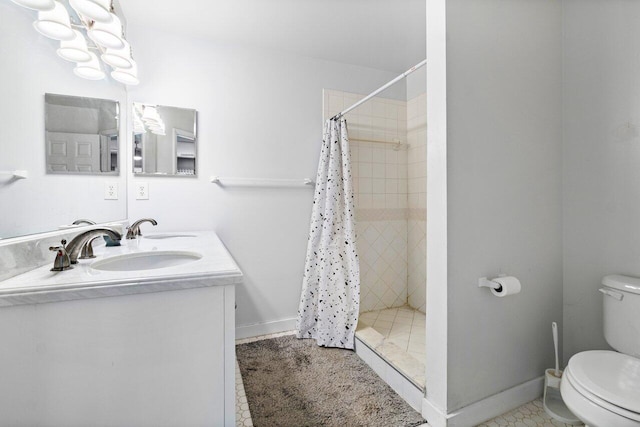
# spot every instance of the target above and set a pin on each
(61, 262)
(62, 246)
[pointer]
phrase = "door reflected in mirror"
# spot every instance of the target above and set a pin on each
(81, 135)
(164, 140)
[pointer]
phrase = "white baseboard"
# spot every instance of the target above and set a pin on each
(257, 329)
(484, 409)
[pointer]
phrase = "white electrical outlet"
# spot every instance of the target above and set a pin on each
(111, 190)
(142, 191)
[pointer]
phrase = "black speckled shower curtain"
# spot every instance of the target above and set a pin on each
(330, 299)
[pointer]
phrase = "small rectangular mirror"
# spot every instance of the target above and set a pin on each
(164, 140)
(81, 135)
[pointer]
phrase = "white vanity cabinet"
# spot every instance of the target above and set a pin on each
(154, 351)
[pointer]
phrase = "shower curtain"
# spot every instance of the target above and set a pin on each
(330, 299)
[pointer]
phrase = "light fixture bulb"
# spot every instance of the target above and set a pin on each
(42, 5)
(55, 23)
(128, 76)
(118, 58)
(97, 10)
(74, 50)
(108, 35)
(90, 70)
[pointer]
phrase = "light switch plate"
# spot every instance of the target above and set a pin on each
(111, 190)
(142, 191)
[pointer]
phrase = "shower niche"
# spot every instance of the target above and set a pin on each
(387, 139)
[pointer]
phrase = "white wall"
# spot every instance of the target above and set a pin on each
(30, 68)
(259, 115)
(601, 159)
(504, 147)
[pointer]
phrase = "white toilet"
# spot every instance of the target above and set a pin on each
(602, 387)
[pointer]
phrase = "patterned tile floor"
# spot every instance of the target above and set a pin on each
(531, 414)
(243, 416)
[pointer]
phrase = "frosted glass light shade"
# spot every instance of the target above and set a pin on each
(128, 76)
(55, 23)
(118, 58)
(90, 70)
(74, 50)
(98, 10)
(36, 4)
(138, 127)
(150, 115)
(159, 130)
(108, 35)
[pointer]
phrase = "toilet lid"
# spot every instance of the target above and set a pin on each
(613, 377)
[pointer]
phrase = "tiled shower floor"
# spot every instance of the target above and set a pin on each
(403, 326)
(397, 335)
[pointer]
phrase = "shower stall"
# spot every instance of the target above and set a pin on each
(387, 138)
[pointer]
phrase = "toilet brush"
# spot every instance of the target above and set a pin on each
(552, 398)
(554, 330)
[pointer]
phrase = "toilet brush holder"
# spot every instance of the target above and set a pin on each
(552, 399)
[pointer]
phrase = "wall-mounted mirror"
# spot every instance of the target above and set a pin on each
(45, 201)
(164, 140)
(81, 135)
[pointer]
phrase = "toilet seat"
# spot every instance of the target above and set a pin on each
(607, 379)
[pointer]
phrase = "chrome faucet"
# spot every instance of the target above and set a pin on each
(61, 262)
(134, 229)
(81, 240)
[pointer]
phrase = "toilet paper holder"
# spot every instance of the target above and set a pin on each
(483, 282)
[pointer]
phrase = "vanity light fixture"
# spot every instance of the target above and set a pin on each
(150, 115)
(138, 126)
(96, 10)
(127, 76)
(36, 4)
(90, 70)
(118, 58)
(152, 120)
(160, 130)
(102, 25)
(55, 23)
(107, 35)
(74, 50)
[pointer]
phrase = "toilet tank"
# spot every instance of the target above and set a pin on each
(621, 313)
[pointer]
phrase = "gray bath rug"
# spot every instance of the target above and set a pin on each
(293, 383)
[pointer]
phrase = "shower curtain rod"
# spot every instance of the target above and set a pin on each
(377, 91)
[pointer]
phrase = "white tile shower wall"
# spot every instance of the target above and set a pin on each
(380, 183)
(382, 247)
(417, 201)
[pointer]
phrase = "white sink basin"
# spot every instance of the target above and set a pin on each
(146, 260)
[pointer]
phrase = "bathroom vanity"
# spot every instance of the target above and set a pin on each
(142, 335)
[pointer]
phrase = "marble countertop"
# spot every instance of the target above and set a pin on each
(215, 267)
